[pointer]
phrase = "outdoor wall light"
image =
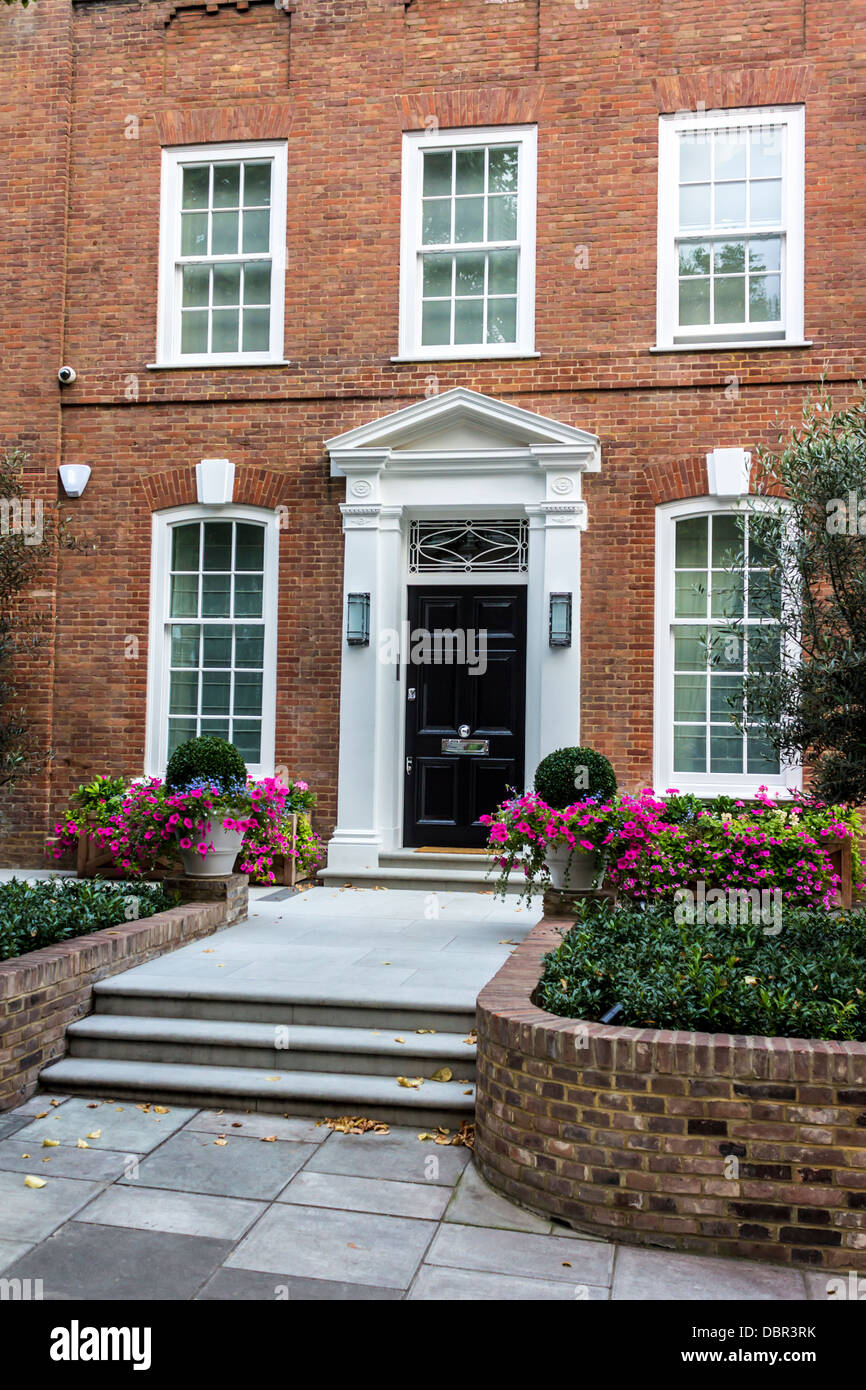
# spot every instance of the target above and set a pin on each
(560, 620)
(358, 620)
(74, 477)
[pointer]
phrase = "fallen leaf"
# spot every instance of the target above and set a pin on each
(566, 1264)
(93, 1105)
(34, 1182)
(472, 1039)
(351, 1245)
(54, 1102)
(467, 1093)
(354, 1124)
(269, 1139)
(83, 1144)
(42, 1114)
(221, 1143)
(272, 1078)
(161, 1110)
(50, 1143)
(237, 1124)
(422, 1137)
(425, 1030)
(95, 1134)
(45, 1160)
(443, 1074)
(413, 1083)
(400, 1040)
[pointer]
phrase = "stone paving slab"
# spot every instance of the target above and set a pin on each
(640, 1273)
(300, 1130)
(577, 1263)
(397, 1155)
(179, 1213)
(439, 1283)
(85, 1262)
(476, 1204)
(99, 1165)
(195, 1161)
(247, 1284)
(357, 1247)
(423, 1201)
(123, 1126)
(31, 1214)
(12, 1250)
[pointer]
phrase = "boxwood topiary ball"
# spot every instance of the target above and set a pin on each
(557, 781)
(207, 757)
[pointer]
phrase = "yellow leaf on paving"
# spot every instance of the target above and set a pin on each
(467, 1093)
(269, 1139)
(34, 1182)
(54, 1102)
(272, 1078)
(442, 1129)
(161, 1109)
(50, 1143)
(472, 1039)
(443, 1074)
(400, 1040)
(221, 1143)
(42, 1114)
(425, 1030)
(83, 1144)
(422, 1137)
(45, 1160)
(411, 1082)
(95, 1134)
(93, 1105)
(566, 1264)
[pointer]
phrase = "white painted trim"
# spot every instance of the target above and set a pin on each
(156, 724)
(414, 144)
(168, 352)
(709, 784)
(793, 216)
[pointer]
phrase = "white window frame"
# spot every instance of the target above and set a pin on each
(415, 143)
(745, 785)
(156, 735)
(672, 337)
(168, 317)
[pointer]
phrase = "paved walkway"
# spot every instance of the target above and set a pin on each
(202, 1205)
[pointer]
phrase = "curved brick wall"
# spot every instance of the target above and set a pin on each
(726, 1145)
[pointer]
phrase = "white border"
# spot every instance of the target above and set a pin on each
(156, 728)
(168, 352)
(793, 117)
(414, 143)
(702, 784)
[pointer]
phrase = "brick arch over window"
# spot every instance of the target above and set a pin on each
(672, 480)
(176, 487)
(721, 89)
(454, 110)
(208, 125)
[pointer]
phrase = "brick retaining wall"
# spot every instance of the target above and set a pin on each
(726, 1145)
(44, 991)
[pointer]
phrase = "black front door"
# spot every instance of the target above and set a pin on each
(465, 710)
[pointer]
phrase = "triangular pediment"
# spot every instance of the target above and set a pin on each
(462, 424)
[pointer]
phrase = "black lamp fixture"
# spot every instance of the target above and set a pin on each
(358, 620)
(560, 620)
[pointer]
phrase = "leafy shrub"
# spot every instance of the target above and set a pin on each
(574, 774)
(33, 915)
(805, 982)
(206, 759)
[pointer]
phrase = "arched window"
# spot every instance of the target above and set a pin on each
(213, 640)
(716, 618)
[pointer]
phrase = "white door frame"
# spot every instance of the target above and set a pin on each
(460, 454)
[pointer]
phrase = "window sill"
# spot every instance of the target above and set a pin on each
(467, 356)
(202, 364)
(739, 346)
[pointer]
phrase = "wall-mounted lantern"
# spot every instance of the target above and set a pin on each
(358, 620)
(74, 477)
(560, 620)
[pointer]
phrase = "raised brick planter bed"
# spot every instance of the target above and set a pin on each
(727, 1145)
(44, 991)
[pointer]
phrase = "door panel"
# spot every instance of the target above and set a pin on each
(447, 793)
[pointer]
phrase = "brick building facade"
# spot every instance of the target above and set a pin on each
(585, 433)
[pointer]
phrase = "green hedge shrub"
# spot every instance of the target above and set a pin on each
(805, 982)
(556, 777)
(33, 915)
(208, 759)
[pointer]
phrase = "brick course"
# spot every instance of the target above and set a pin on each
(706, 1142)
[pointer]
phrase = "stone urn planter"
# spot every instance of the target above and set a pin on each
(218, 861)
(571, 870)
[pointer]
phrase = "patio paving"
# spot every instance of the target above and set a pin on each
(193, 1205)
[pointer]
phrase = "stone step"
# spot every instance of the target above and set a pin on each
(322, 1094)
(446, 1010)
(217, 1043)
(431, 873)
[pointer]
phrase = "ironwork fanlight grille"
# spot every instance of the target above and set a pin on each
(461, 547)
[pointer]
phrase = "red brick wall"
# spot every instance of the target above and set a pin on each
(728, 1145)
(343, 80)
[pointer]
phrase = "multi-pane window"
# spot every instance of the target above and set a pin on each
(730, 209)
(468, 243)
(725, 617)
(223, 254)
(216, 621)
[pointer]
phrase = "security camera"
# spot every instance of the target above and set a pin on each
(66, 376)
